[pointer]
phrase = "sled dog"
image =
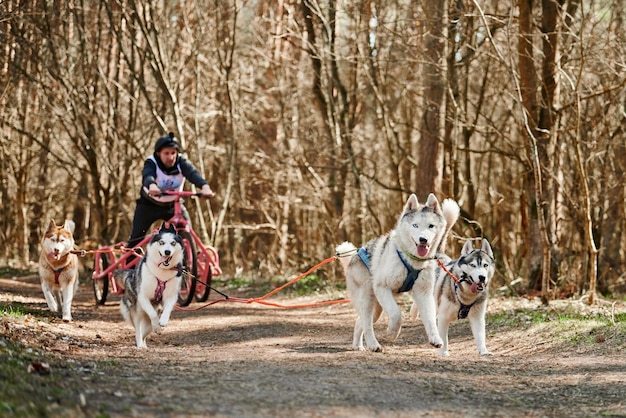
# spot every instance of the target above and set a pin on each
(58, 268)
(466, 298)
(403, 260)
(152, 288)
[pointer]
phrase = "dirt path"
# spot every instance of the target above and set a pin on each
(252, 361)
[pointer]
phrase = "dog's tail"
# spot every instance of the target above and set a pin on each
(451, 212)
(345, 251)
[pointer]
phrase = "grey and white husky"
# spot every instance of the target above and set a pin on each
(401, 261)
(462, 292)
(152, 288)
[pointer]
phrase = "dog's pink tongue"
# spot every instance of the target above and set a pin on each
(422, 250)
(53, 255)
(474, 288)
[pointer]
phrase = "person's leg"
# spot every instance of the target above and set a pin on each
(145, 215)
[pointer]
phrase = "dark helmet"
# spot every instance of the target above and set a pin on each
(168, 141)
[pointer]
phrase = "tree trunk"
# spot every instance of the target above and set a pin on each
(537, 238)
(429, 157)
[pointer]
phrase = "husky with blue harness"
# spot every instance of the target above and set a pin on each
(403, 260)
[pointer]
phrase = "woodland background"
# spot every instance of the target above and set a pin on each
(313, 120)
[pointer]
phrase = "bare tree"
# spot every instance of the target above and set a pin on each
(429, 157)
(313, 119)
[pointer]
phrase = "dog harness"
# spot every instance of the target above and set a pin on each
(57, 274)
(411, 276)
(464, 309)
(364, 256)
(158, 292)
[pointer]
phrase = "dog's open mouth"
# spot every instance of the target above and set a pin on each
(477, 287)
(165, 260)
(422, 250)
(54, 255)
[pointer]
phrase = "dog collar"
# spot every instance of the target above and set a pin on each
(416, 258)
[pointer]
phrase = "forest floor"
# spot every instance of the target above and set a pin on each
(246, 360)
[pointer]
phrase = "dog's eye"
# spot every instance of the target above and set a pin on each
(161, 242)
(431, 226)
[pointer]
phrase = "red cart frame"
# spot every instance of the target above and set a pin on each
(201, 261)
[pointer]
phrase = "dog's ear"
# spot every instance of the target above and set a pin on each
(51, 225)
(487, 248)
(411, 204)
(433, 203)
(467, 248)
(69, 225)
(168, 227)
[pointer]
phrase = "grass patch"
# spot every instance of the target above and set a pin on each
(25, 392)
(572, 326)
(6, 271)
(19, 310)
(526, 317)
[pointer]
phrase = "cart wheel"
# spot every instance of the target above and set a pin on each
(203, 289)
(188, 285)
(101, 285)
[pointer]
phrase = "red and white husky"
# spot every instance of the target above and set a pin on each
(58, 268)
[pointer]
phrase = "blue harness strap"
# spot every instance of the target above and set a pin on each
(364, 256)
(411, 276)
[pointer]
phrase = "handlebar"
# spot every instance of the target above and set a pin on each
(183, 193)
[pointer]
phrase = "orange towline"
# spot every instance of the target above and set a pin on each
(261, 300)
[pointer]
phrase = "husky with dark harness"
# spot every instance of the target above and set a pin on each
(462, 291)
(151, 290)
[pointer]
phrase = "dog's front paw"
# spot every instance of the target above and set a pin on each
(436, 342)
(486, 352)
(156, 327)
(444, 353)
(358, 347)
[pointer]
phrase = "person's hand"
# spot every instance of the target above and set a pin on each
(206, 191)
(154, 190)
